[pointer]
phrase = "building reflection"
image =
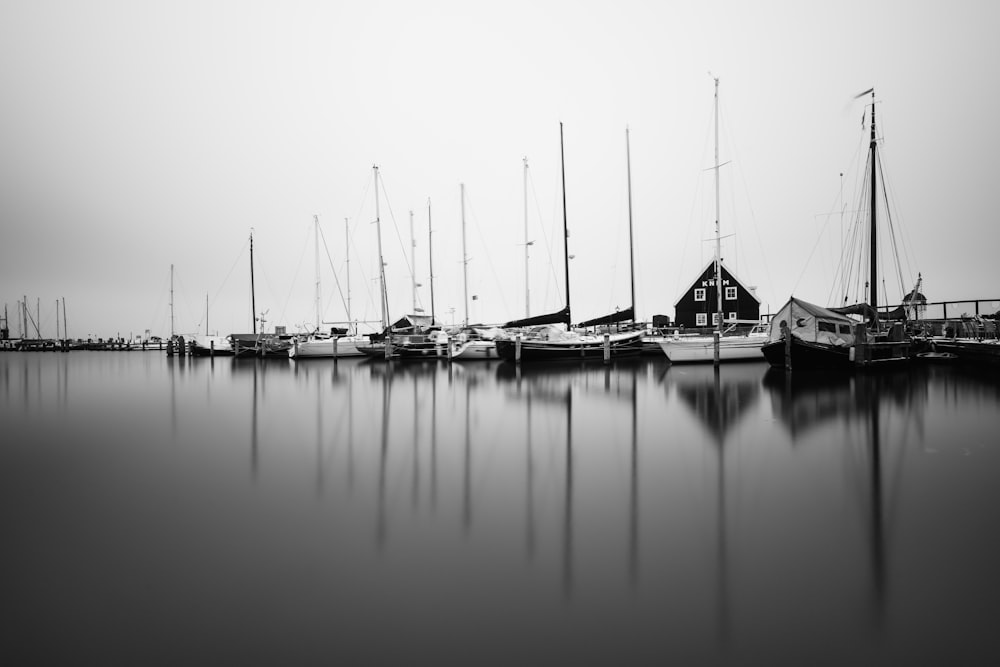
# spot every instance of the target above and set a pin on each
(719, 398)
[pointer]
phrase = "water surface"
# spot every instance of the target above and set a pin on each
(164, 510)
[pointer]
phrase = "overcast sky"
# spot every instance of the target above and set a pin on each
(139, 135)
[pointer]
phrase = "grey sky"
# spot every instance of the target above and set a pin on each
(136, 135)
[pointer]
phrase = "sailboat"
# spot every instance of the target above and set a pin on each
(804, 336)
(722, 345)
(413, 336)
(471, 343)
(539, 341)
(338, 343)
(209, 345)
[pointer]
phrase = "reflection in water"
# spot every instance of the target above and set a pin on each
(857, 403)
(624, 514)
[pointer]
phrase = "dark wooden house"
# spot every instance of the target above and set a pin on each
(697, 306)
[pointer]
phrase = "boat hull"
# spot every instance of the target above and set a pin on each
(808, 356)
(330, 348)
(970, 351)
(701, 349)
(581, 349)
(475, 350)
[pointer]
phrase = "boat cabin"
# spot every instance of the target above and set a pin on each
(813, 324)
(698, 306)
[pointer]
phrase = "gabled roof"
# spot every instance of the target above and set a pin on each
(722, 265)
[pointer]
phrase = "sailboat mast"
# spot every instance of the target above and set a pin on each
(171, 300)
(253, 300)
(381, 264)
(347, 245)
(413, 263)
(718, 238)
(465, 260)
(65, 327)
(874, 199)
(318, 295)
(430, 255)
(562, 163)
(631, 245)
(527, 244)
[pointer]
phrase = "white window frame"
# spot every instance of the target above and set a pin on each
(701, 320)
(699, 293)
(730, 294)
(732, 316)
(715, 319)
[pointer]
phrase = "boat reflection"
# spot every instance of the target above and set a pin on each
(879, 415)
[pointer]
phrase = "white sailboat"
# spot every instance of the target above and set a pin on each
(327, 346)
(471, 343)
(722, 345)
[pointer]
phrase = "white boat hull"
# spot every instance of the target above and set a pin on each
(326, 348)
(474, 350)
(701, 349)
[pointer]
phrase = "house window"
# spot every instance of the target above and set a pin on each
(732, 317)
(701, 319)
(699, 294)
(730, 294)
(715, 319)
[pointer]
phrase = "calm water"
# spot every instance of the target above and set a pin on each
(174, 511)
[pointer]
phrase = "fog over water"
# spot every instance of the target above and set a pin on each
(161, 510)
(139, 137)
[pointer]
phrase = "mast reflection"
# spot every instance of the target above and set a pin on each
(867, 404)
(719, 398)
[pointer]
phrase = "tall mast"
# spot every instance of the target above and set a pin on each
(527, 243)
(718, 241)
(413, 263)
(465, 260)
(562, 163)
(347, 245)
(65, 326)
(318, 294)
(57, 319)
(381, 264)
(430, 255)
(631, 251)
(874, 199)
(171, 300)
(253, 300)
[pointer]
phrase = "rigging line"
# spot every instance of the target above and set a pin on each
(399, 237)
(329, 259)
(545, 238)
(295, 276)
(695, 199)
(489, 259)
(232, 268)
(889, 192)
(353, 244)
(160, 302)
(734, 150)
(177, 279)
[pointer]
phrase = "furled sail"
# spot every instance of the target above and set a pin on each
(626, 315)
(561, 316)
